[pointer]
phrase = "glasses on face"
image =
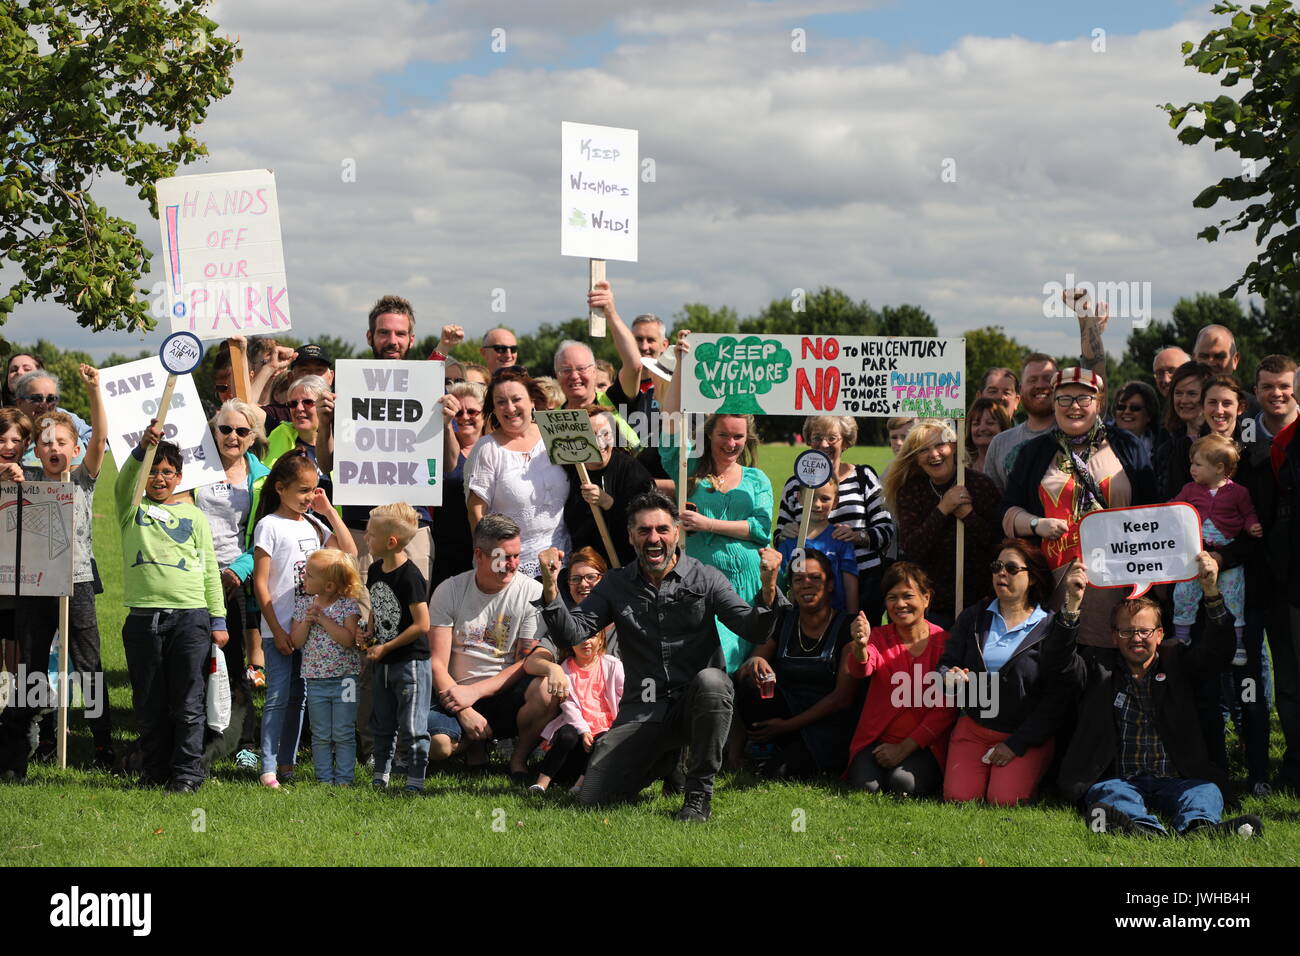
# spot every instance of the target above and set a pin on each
(1139, 632)
(166, 474)
(42, 399)
(503, 349)
(1083, 401)
(816, 440)
(567, 370)
(239, 430)
(1009, 566)
(1210, 358)
(593, 578)
(469, 412)
(304, 402)
(1129, 407)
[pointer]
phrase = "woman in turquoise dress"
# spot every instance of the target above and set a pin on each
(728, 515)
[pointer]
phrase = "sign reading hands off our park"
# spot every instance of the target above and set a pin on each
(388, 432)
(598, 192)
(223, 264)
(1140, 547)
(871, 376)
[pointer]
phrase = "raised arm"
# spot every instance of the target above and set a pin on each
(93, 459)
(629, 374)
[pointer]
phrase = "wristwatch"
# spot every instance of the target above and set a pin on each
(1033, 525)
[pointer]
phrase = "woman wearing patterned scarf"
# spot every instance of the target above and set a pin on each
(1081, 465)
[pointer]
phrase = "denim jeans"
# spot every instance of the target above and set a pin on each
(1187, 800)
(403, 693)
(332, 709)
(282, 709)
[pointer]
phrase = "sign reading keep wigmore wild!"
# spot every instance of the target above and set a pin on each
(868, 376)
(598, 192)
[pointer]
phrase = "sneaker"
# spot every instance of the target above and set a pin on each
(104, 758)
(1239, 658)
(695, 808)
(411, 790)
(379, 783)
(536, 790)
(247, 760)
(1245, 827)
(269, 781)
(675, 782)
(181, 786)
(1102, 818)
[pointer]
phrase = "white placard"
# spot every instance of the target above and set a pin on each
(388, 432)
(1140, 547)
(223, 263)
(866, 376)
(569, 437)
(131, 395)
(598, 192)
(47, 538)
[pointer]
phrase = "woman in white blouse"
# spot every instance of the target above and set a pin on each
(508, 471)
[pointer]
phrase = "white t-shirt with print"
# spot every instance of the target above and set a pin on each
(289, 542)
(488, 631)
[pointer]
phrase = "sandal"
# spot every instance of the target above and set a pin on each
(269, 781)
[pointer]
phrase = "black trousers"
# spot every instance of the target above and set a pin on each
(632, 755)
(167, 657)
(917, 776)
(566, 761)
(40, 621)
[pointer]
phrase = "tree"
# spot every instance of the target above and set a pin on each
(1262, 46)
(987, 348)
(1186, 319)
(700, 318)
(85, 89)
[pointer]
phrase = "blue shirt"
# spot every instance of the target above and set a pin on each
(1003, 641)
(843, 560)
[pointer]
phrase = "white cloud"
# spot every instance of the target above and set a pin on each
(775, 169)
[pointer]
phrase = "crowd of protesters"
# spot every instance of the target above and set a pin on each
(700, 638)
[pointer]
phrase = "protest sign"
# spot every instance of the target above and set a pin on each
(569, 436)
(1140, 547)
(388, 432)
(812, 469)
(132, 397)
(45, 562)
(598, 192)
(570, 440)
(873, 376)
(223, 263)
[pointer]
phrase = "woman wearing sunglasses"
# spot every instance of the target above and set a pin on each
(1010, 709)
(229, 505)
(308, 397)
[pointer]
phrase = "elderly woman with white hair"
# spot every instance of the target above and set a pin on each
(922, 490)
(230, 505)
(308, 398)
(860, 517)
(37, 392)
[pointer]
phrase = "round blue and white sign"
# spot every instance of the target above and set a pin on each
(813, 468)
(181, 353)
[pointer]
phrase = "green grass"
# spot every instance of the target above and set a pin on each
(82, 818)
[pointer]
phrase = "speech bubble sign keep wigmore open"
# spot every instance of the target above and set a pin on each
(1140, 547)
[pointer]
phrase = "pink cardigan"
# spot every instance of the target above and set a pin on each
(571, 713)
(1231, 509)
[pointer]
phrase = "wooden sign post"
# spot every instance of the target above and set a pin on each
(181, 354)
(61, 745)
(239, 368)
(961, 525)
(597, 316)
(570, 440)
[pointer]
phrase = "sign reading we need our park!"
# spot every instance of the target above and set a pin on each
(598, 192)
(388, 432)
(867, 376)
(223, 262)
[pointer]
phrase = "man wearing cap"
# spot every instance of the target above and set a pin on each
(310, 359)
(1137, 748)
(1079, 466)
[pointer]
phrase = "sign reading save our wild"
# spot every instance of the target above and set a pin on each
(871, 376)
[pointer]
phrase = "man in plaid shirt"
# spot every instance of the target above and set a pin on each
(1138, 747)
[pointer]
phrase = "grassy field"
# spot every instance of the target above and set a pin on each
(82, 818)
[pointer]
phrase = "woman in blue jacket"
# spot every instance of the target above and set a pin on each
(229, 506)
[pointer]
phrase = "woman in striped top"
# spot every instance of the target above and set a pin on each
(861, 516)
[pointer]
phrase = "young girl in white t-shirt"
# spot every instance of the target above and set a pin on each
(285, 536)
(326, 627)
